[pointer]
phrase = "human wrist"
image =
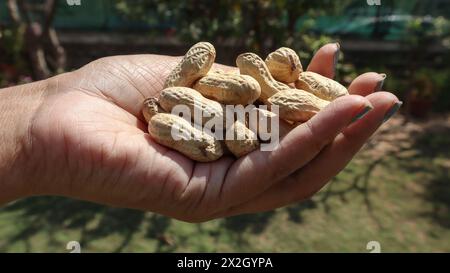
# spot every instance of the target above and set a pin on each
(18, 106)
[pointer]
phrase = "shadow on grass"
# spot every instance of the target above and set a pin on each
(434, 145)
(438, 193)
(255, 223)
(432, 159)
(157, 227)
(50, 214)
(295, 212)
(359, 183)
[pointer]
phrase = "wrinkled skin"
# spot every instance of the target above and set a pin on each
(88, 140)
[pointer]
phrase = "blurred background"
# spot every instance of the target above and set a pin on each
(396, 191)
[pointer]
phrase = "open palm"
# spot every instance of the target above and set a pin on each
(96, 146)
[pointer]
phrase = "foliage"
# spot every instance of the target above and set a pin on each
(430, 77)
(13, 65)
(258, 25)
(422, 30)
(36, 36)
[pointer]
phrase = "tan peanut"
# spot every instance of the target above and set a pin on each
(204, 90)
(229, 88)
(284, 65)
(320, 86)
(297, 105)
(150, 108)
(194, 65)
(244, 140)
(193, 143)
(221, 71)
(252, 65)
(173, 96)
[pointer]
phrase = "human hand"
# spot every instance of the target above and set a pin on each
(87, 139)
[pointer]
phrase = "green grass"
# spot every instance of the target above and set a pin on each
(399, 198)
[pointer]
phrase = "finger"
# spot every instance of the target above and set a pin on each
(367, 83)
(337, 155)
(325, 60)
(259, 170)
(312, 177)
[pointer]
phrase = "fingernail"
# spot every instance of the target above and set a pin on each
(380, 83)
(392, 111)
(362, 113)
(336, 54)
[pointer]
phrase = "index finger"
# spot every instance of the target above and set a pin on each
(325, 59)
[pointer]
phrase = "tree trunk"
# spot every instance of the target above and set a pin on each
(41, 41)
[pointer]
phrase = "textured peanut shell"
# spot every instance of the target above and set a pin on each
(248, 143)
(297, 105)
(203, 149)
(320, 86)
(284, 65)
(194, 65)
(252, 65)
(173, 96)
(221, 71)
(150, 108)
(229, 88)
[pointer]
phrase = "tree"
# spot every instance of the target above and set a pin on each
(259, 25)
(41, 42)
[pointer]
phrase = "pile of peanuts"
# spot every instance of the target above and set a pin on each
(271, 82)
